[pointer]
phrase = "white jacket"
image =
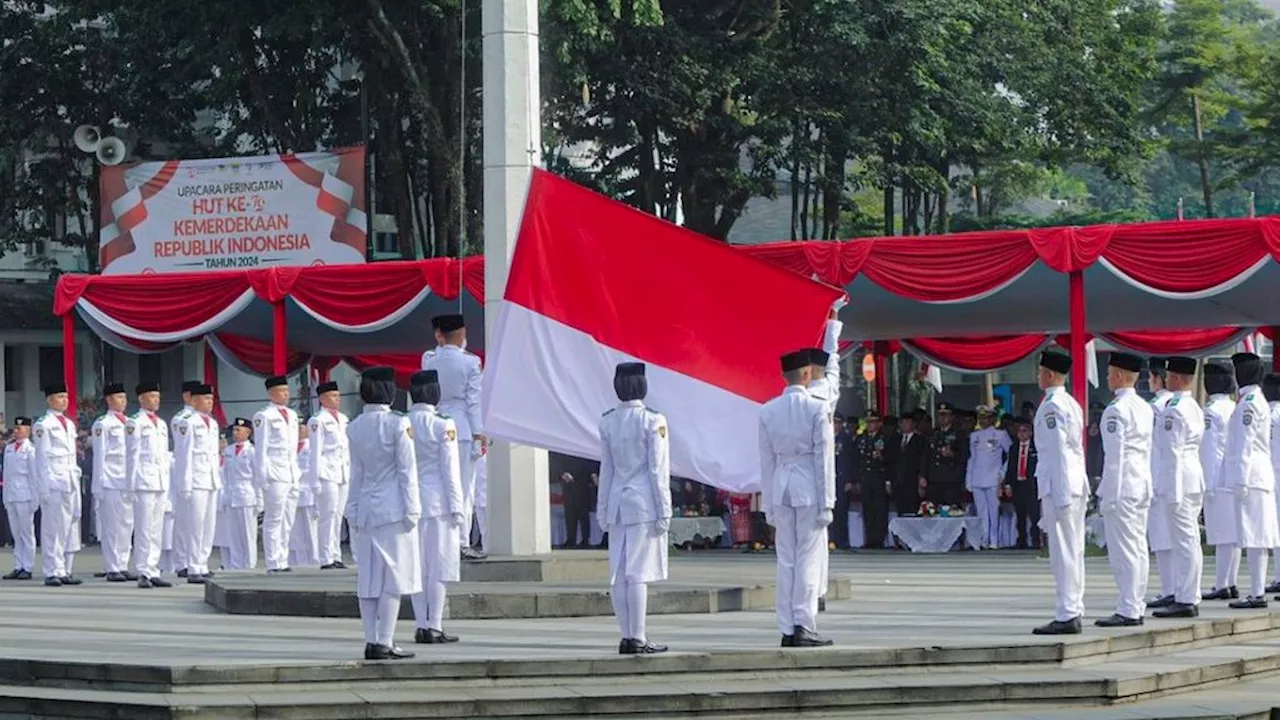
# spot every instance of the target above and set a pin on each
(1059, 430)
(20, 472)
(196, 463)
(109, 448)
(635, 466)
(1248, 458)
(460, 376)
(147, 459)
(275, 442)
(1213, 445)
(56, 468)
(384, 473)
(435, 444)
(329, 457)
(797, 459)
(1127, 427)
(237, 474)
(1177, 449)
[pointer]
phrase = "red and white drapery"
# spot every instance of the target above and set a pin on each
(151, 313)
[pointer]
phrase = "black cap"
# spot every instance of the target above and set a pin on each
(325, 387)
(1218, 380)
(795, 361)
(380, 373)
(424, 377)
(818, 356)
(1182, 365)
(1020, 420)
(54, 388)
(22, 421)
(240, 422)
(189, 386)
(448, 323)
(1125, 361)
(629, 369)
(1156, 365)
(202, 389)
(276, 381)
(113, 389)
(147, 386)
(946, 407)
(1055, 361)
(874, 415)
(1271, 387)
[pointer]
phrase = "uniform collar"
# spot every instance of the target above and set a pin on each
(1182, 393)
(449, 346)
(1054, 390)
(1163, 393)
(1123, 392)
(422, 406)
(1219, 396)
(1247, 389)
(631, 403)
(373, 408)
(793, 389)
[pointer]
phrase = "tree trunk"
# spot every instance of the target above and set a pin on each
(1201, 158)
(805, 232)
(888, 208)
(944, 198)
(795, 178)
(833, 190)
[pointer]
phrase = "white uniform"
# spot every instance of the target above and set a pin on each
(241, 513)
(304, 548)
(197, 478)
(827, 389)
(1124, 495)
(21, 499)
(329, 473)
(1275, 464)
(799, 494)
(382, 511)
(147, 465)
(173, 549)
(1157, 525)
(110, 488)
(1064, 488)
(1247, 470)
(482, 500)
(460, 376)
(58, 483)
(435, 443)
(633, 504)
(1220, 514)
(276, 475)
(1179, 489)
(988, 448)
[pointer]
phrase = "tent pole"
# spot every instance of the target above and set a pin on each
(211, 379)
(280, 343)
(882, 379)
(1079, 366)
(69, 362)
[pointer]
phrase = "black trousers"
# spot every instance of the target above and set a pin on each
(875, 512)
(577, 519)
(838, 530)
(1027, 507)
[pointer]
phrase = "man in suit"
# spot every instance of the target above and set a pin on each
(948, 458)
(909, 451)
(845, 479)
(579, 499)
(1020, 477)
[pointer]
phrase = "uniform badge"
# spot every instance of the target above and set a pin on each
(39, 432)
(1248, 418)
(451, 435)
(127, 428)
(97, 431)
(182, 429)
(1111, 425)
(257, 422)
(662, 431)
(1168, 423)
(409, 431)
(1207, 423)
(1051, 422)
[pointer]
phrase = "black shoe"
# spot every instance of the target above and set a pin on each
(1250, 603)
(1060, 627)
(383, 652)
(788, 641)
(160, 582)
(1216, 594)
(196, 580)
(131, 577)
(822, 604)
(115, 577)
(1118, 620)
(182, 573)
(68, 580)
(430, 636)
(274, 571)
(330, 566)
(13, 575)
(1235, 592)
(144, 582)
(339, 565)
(639, 647)
(805, 638)
(100, 574)
(291, 570)
(207, 575)
(624, 646)
(1273, 587)
(23, 575)
(1165, 601)
(1178, 610)
(53, 582)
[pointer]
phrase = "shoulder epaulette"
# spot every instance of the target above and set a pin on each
(606, 412)
(651, 410)
(444, 415)
(401, 413)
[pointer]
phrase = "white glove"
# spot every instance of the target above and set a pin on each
(840, 303)
(604, 526)
(768, 519)
(826, 518)
(662, 525)
(456, 519)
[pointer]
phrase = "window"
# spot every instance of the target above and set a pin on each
(50, 366)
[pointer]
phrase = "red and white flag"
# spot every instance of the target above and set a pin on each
(594, 283)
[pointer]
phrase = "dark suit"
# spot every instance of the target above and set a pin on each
(872, 454)
(908, 464)
(838, 532)
(1026, 501)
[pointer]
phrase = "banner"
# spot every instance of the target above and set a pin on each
(233, 213)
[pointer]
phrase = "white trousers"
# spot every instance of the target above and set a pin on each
(22, 523)
(115, 529)
(197, 521)
(1227, 561)
(242, 537)
(56, 521)
(304, 550)
(1257, 572)
(799, 543)
(1065, 527)
(331, 502)
(1166, 571)
(987, 504)
(148, 532)
(280, 501)
(630, 608)
(467, 465)
(1125, 525)
(1188, 558)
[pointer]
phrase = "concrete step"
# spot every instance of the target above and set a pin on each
(332, 594)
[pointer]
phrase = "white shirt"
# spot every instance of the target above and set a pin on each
(987, 449)
(635, 466)
(147, 458)
(1127, 428)
(1213, 445)
(384, 474)
(237, 473)
(1060, 471)
(195, 453)
(827, 387)
(435, 446)
(275, 437)
(109, 453)
(307, 488)
(460, 376)
(1177, 449)
(20, 472)
(55, 440)
(330, 458)
(1248, 458)
(797, 462)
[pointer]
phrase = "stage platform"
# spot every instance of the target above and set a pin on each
(922, 636)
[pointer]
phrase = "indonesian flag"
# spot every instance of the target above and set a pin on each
(594, 283)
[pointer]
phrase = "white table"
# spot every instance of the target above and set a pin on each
(936, 534)
(685, 529)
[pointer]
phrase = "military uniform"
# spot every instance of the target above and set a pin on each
(242, 500)
(277, 476)
(110, 487)
(1178, 483)
(1158, 539)
(304, 547)
(871, 473)
(21, 500)
(460, 373)
(988, 448)
(197, 478)
(329, 471)
(1220, 521)
(1248, 471)
(148, 464)
(947, 463)
(58, 482)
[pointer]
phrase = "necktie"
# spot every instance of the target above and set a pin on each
(905, 439)
(121, 418)
(18, 446)
(334, 413)
(238, 448)
(1022, 461)
(205, 418)
(63, 419)
(153, 418)
(284, 413)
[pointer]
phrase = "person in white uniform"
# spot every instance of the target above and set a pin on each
(329, 472)
(1124, 495)
(383, 510)
(304, 547)
(435, 442)
(824, 384)
(1220, 519)
(633, 504)
(197, 478)
(1064, 488)
(147, 465)
(460, 375)
(173, 550)
(482, 500)
(1157, 526)
(1271, 391)
(276, 473)
(221, 538)
(58, 484)
(798, 492)
(242, 499)
(988, 448)
(1247, 471)
(1179, 485)
(21, 498)
(110, 486)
